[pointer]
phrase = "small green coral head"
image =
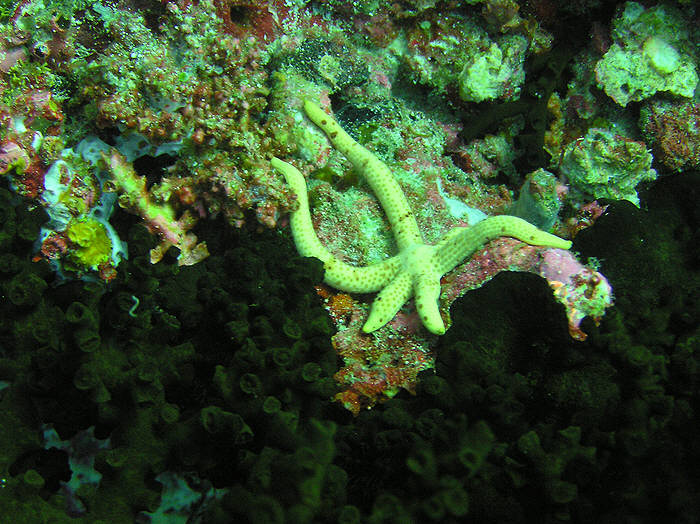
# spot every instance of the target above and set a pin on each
(91, 245)
(650, 54)
(603, 164)
(498, 72)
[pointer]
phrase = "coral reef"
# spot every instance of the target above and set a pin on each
(166, 355)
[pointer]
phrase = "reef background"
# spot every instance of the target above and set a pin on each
(172, 386)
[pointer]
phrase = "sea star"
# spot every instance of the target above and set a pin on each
(418, 267)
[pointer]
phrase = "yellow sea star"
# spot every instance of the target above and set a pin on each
(417, 269)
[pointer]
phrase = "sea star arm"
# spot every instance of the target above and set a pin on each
(338, 274)
(388, 301)
(427, 293)
(461, 242)
(384, 185)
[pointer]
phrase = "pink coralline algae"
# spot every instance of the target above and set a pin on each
(376, 366)
(580, 289)
(583, 291)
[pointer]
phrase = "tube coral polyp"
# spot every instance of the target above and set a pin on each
(159, 218)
